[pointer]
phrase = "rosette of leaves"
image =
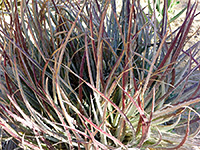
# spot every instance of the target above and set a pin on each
(80, 75)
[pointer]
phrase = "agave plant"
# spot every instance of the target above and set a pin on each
(82, 75)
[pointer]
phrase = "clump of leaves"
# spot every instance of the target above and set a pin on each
(165, 10)
(80, 75)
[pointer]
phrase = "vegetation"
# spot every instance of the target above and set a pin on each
(82, 75)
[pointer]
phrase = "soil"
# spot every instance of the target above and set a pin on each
(195, 25)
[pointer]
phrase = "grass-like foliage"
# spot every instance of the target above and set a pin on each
(94, 75)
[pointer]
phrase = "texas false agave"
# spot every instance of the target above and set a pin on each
(95, 75)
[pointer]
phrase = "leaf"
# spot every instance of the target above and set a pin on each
(177, 15)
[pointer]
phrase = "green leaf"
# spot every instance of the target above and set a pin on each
(178, 15)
